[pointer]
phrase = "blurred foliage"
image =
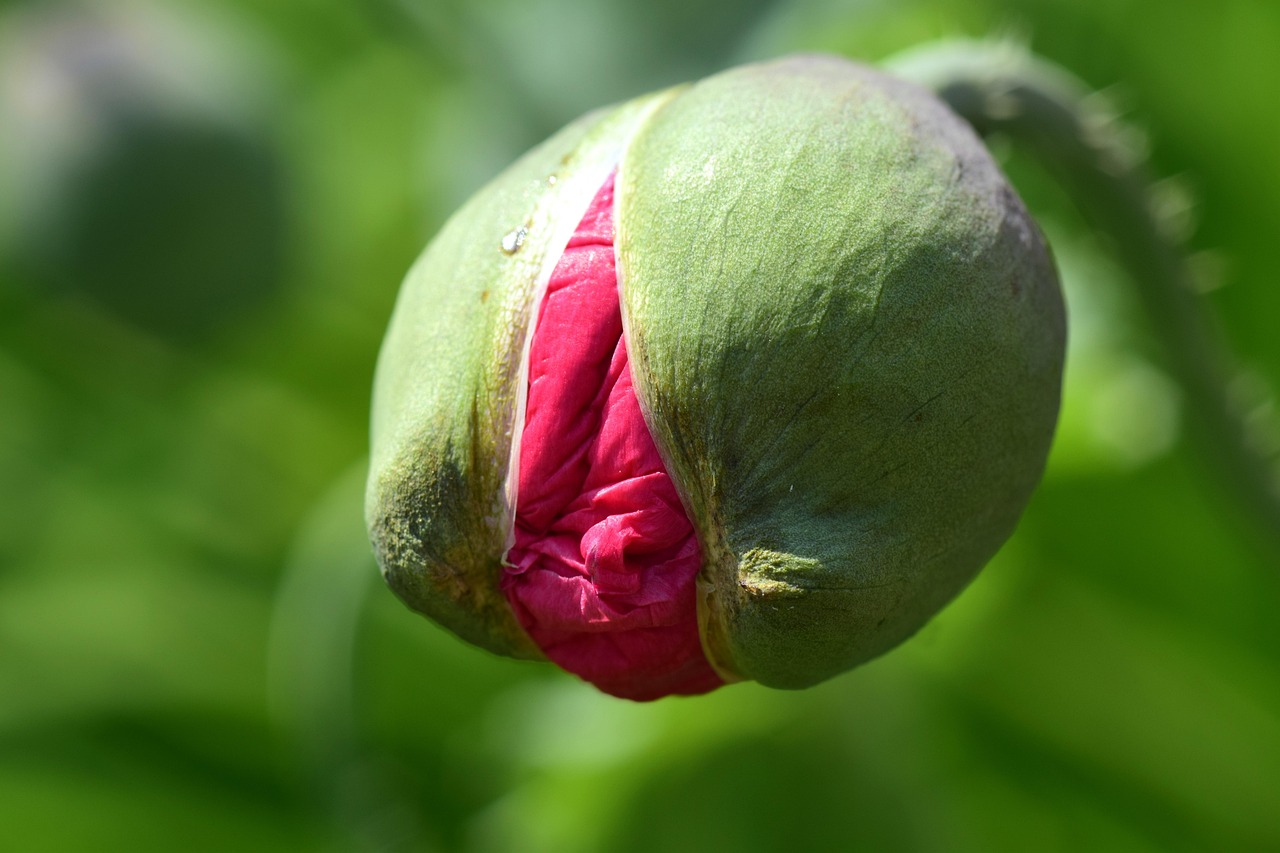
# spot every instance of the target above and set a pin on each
(205, 212)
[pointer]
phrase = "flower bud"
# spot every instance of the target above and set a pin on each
(836, 377)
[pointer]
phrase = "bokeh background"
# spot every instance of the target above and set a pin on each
(205, 212)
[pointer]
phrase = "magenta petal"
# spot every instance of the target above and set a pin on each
(603, 571)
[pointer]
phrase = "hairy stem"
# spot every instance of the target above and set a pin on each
(1001, 89)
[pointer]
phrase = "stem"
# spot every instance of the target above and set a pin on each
(316, 618)
(999, 88)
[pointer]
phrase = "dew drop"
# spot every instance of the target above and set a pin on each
(551, 180)
(514, 240)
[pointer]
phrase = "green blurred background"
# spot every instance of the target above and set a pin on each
(205, 212)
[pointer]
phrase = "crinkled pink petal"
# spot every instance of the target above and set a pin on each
(602, 573)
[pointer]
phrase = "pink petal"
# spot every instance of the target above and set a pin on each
(602, 574)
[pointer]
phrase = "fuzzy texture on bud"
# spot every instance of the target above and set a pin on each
(821, 359)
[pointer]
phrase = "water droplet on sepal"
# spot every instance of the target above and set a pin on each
(514, 239)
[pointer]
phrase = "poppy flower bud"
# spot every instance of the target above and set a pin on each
(739, 380)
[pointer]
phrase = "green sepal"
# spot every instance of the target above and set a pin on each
(847, 336)
(449, 389)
